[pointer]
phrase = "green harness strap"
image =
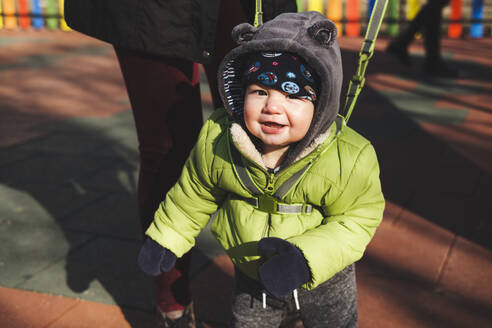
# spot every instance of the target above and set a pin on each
(366, 52)
(258, 14)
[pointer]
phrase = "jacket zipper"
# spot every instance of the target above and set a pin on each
(269, 188)
(266, 229)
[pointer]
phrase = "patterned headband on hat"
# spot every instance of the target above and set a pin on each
(282, 71)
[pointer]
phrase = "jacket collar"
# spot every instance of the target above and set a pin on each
(243, 143)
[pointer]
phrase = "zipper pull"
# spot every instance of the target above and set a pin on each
(269, 185)
(296, 299)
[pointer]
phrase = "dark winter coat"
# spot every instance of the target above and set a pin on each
(183, 29)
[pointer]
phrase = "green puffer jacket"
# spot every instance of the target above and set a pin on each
(342, 184)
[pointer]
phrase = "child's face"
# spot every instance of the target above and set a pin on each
(275, 117)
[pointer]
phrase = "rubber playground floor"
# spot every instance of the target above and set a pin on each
(69, 231)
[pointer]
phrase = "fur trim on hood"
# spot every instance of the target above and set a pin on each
(308, 35)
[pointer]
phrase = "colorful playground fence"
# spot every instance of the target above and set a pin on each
(35, 14)
(462, 18)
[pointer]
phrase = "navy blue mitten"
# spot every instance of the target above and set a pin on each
(154, 259)
(285, 268)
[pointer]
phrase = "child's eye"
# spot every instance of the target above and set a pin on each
(260, 92)
(300, 98)
(293, 97)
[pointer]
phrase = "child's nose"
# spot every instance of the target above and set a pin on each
(274, 104)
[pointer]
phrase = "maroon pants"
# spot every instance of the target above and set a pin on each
(165, 99)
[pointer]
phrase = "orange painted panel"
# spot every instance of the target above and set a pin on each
(352, 28)
(23, 10)
(455, 29)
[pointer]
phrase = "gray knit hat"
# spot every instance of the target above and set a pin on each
(308, 35)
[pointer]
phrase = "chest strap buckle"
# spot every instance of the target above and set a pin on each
(267, 203)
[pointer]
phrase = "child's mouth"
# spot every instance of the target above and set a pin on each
(271, 127)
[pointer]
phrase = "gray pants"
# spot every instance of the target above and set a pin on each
(330, 305)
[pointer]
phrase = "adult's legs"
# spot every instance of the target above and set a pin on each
(434, 64)
(399, 46)
(165, 99)
(415, 25)
(428, 20)
(432, 30)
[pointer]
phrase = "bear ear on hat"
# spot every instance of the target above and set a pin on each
(243, 33)
(324, 32)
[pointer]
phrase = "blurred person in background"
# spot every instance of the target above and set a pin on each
(427, 21)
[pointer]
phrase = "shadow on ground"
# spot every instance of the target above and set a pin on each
(441, 179)
(75, 231)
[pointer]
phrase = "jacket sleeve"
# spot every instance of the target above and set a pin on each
(351, 219)
(189, 204)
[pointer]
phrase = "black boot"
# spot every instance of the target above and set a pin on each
(399, 51)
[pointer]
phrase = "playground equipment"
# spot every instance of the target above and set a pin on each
(463, 18)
